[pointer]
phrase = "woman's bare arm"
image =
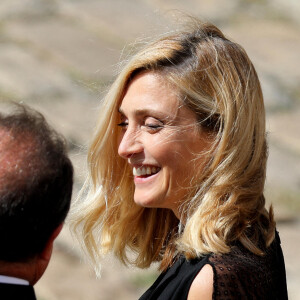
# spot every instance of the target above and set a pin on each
(202, 286)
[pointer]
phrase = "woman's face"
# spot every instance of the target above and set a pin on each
(161, 141)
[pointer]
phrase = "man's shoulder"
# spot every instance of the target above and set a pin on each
(16, 291)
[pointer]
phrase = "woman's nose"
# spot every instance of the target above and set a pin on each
(129, 144)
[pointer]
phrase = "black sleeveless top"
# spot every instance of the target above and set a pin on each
(239, 274)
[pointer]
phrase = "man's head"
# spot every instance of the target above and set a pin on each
(36, 178)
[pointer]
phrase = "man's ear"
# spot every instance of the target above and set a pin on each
(42, 259)
(47, 252)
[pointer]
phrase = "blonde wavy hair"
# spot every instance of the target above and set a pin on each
(216, 79)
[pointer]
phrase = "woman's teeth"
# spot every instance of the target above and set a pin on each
(145, 171)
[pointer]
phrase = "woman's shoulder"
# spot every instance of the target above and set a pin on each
(202, 286)
(222, 274)
(238, 274)
(228, 275)
(242, 274)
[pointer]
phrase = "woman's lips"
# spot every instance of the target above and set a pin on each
(145, 174)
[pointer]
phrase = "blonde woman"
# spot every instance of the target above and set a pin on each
(177, 171)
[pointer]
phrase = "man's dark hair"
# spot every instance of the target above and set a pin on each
(36, 178)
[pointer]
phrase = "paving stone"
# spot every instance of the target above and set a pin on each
(141, 18)
(24, 76)
(75, 48)
(273, 47)
(11, 9)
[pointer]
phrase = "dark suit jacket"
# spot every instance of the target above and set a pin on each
(16, 292)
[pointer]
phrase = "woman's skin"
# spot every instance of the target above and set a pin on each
(161, 141)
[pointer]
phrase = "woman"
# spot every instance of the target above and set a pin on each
(177, 172)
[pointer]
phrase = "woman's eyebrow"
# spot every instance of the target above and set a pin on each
(151, 112)
(146, 111)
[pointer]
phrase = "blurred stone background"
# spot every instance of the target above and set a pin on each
(60, 57)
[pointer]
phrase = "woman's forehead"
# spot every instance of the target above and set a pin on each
(150, 91)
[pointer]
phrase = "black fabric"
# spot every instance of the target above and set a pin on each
(239, 274)
(16, 292)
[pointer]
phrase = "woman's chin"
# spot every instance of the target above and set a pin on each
(149, 202)
(145, 203)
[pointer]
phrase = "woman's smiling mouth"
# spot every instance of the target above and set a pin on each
(145, 171)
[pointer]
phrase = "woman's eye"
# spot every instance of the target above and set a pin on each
(123, 124)
(153, 124)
